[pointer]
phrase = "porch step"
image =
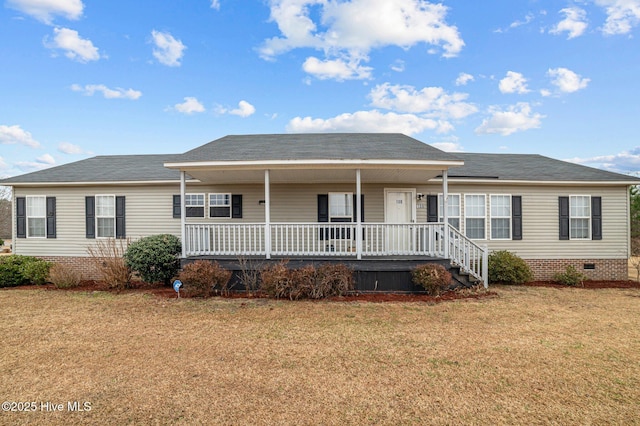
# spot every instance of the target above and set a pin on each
(461, 279)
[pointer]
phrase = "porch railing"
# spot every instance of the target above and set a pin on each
(338, 239)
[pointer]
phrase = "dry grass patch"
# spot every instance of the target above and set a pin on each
(531, 356)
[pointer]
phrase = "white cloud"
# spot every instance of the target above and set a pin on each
(337, 69)
(574, 22)
(622, 15)
(168, 50)
(515, 118)
(448, 146)
(215, 4)
(398, 66)
(368, 121)
(117, 93)
(189, 106)
(15, 135)
(463, 79)
(75, 47)
(527, 19)
(245, 109)
(566, 80)
(43, 162)
(353, 28)
(45, 10)
(71, 149)
(624, 162)
(514, 82)
(433, 102)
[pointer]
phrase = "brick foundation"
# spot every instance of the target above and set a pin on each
(604, 269)
(84, 265)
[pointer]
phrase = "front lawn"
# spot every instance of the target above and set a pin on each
(531, 355)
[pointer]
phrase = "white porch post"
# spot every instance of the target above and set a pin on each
(267, 214)
(445, 211)
(358, 215)
(183, 213)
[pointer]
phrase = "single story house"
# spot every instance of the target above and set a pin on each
(364, 198)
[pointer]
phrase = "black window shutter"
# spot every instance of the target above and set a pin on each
(516, 217)
(236, 206)
(563, 209)
(90, 216)
(355, 218)
(596, 218)
(51, 217)
(120, 217)
(21, 217)
(323, 214)
(323, 207)
(176, 206)
(432, 208)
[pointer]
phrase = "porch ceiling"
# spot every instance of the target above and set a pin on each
(315, 175)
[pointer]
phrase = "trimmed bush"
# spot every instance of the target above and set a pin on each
(201, 277)
(507, 268)
(308, 282)
(36, 271)
(155, 258)
(570, 277)
(63, 276)
(433, 277)
(18, 270)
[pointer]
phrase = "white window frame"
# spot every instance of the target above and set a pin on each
(451, 213)
(468, 216)
(98, 216)
(572, 217)
(43, 217)
(209, 205)
(492, 216)
(348, 197)
(204, 202)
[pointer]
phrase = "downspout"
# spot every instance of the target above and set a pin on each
(14, 221)
(183, 213)
(445, 211)
(358, 215)
(267, 214)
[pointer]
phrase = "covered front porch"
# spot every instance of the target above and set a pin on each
(303, 196)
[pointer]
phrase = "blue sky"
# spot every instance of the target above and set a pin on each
(82, 78)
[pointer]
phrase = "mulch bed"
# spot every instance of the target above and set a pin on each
(378, 297)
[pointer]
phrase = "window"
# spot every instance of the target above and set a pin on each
(501, 217)
(106, 216)
(340, 207)
(475, 215)
(219, 205)
(36, 217)
(453, 209)
(579, 217)
(194, 204)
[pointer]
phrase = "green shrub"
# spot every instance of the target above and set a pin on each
(507, 268)
(199, 278)
(1, 242)
(36, 271)
(570, 277)
(155, 258)
(432, 276)
(14, 270)
(63, 276)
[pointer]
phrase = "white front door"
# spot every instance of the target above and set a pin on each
(399, 214)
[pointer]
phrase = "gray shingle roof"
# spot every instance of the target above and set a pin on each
(104, 168)
(149, 168)
(530, 167)
(324, 146)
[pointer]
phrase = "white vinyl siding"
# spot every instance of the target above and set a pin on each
(105, 216)
(475, 216)
(580, 217)
(500, 217)
(36, 217)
